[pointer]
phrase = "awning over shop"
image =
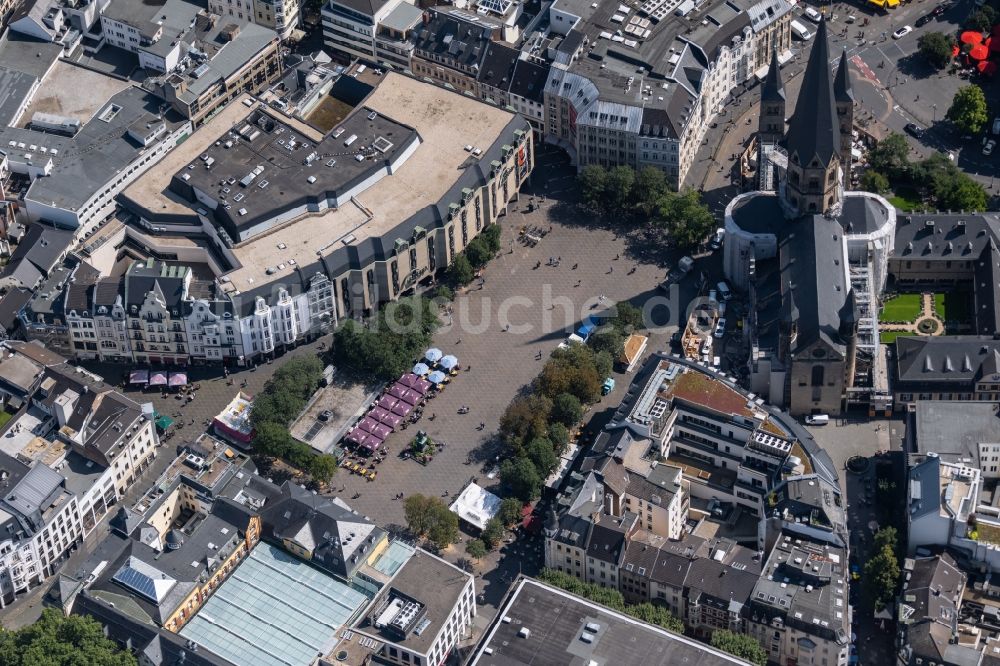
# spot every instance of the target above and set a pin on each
(164, 422)
(138, 377)
(178, 379)
(158, 379)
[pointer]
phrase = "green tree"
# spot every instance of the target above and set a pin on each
(657, 615)
(418, 510)
(873, 181)
(476, 549)
(510, 511)
(272, 439)
(430, 517)
(609, 340)
(541, 453)
(493, 533)
(323, 467)
(739, 645)
(968, 109)
(559, 436)
(890, 156)
(520, 475)
(593, 181)
(685, 218)
(982, 19)
(491, 236)
(650, 186)
(957, 191)
(461, 272)
(444, 530)
(628, 318)
(618, 189)
(55, 640)
(566, 409)
(525, 418)
(935, 48)
(477, 252)
(887, 537)
(603, 363)
(881, 576)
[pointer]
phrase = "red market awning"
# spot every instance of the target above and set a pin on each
(955, 51)
(979, 52)
(987, 67)
(971, 37)
(402, 408)
(378, 413)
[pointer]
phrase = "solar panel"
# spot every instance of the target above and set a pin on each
(496, 6)
(313, 431)
(144, 580)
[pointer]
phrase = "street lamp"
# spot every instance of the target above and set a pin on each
(934, 107)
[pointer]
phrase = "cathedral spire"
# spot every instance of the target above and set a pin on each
(814, 130)
(842, 88)
(774, 87)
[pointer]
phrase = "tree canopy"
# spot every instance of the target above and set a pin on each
(969, 110)
(55, 640)
(430, 517)
(387, 346)
(891, 155)
(935, 48)
(743, 646)
(875, 182)
(881, 572)
(521, 476)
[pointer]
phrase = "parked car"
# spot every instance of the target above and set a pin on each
(913, 130)
(720, 328)
(717, 239)
(817, 419)
(902, 32)
(812, 15)
(724, 291)
(996, 125)
(989, 146)
(924, 20)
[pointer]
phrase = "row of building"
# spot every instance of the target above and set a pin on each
(219, 565)
(698, 498)
(70, 451)
(613, 84)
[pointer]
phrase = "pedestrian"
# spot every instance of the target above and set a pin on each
(611, 270)
(506, 328)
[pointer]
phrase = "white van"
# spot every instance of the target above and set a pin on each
(800, 31)
(817, 419)
(724, 290)
(813, 15)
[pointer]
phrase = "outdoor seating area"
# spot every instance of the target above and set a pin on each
(399, 405)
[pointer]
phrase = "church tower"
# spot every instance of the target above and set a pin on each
(843, 92)
(813, 182)
(771, 126)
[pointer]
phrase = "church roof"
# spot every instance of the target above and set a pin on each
(814, 130)
(774, 87)
(843, 90)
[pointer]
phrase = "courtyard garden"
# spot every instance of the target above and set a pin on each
(924, 314)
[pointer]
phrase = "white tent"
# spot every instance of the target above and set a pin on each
(476, 505)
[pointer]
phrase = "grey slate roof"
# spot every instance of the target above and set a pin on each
(10, 304)
(529, 80)
(925, 488)
(813, 265)
(43, 246)
(814, 131)
(927, 362)
(497, 67)
(954, 429)
(339, 538)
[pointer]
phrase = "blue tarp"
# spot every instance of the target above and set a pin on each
(586, 329)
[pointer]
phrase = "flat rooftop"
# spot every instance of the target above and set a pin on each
(416, 193)
(274, 610)
(290, 170)
(73, 91)
(433, 583)
(557, 622)
(346, 400)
